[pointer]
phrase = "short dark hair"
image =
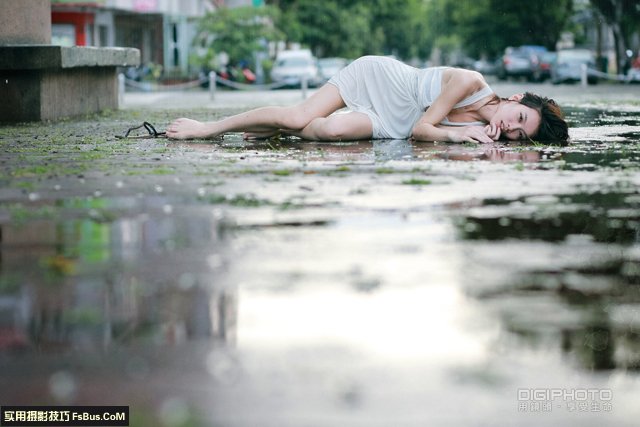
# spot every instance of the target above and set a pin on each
(553, 127)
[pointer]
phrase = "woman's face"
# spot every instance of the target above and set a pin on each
(516, 121)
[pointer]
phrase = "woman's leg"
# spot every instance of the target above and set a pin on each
(338, 127)
(322, 103)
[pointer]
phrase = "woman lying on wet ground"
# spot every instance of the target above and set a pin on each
(389, 99)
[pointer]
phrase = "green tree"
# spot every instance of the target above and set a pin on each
(623, 17)
(410, 28)
(370, 39)
(239, 32)
(330, 27)
(399, 20)
(440, 28)
(488, 26)
(353, 28)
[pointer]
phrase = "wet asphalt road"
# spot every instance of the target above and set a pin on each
(294, 283)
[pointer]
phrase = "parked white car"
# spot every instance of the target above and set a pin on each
(292, 65)
(567, 66)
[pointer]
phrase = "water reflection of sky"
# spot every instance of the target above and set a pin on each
(351, 287)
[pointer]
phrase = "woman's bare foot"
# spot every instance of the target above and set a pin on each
(266, 134)
(188, 129)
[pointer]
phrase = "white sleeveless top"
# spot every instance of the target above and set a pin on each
(434, 86)
(393, 94)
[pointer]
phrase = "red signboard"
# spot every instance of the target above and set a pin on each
(145, 5)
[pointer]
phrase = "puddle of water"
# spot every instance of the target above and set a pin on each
(368, 283)
(603, 217)
(582, 301)
(577, 280)
(586, 117)
(95, 282)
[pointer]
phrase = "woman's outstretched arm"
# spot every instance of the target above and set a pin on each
(459, 85)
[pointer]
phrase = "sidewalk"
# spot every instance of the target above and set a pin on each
(564, 94)
(202, 99)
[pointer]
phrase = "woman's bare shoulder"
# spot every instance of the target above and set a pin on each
(459, 76)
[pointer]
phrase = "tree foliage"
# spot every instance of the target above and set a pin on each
(239, 32)
(486, 27)
(321, 26)
(623, 17)
(410, 28)
(353, 28)
(405, 28)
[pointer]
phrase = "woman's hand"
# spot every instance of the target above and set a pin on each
(492, 131)
(470, 134)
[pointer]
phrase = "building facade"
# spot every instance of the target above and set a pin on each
(162, 30)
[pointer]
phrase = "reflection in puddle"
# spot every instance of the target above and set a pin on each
(580, 288)
(592, 317)
(604, 217)
(584, 117)
(381, 151)
(85, 284)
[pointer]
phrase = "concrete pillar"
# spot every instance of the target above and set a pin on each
(52, 82)
(25, 22)
(43, 82)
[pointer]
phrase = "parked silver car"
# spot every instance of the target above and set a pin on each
(520, 61)
(568, 65)
(541, 67)
(291, 66)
